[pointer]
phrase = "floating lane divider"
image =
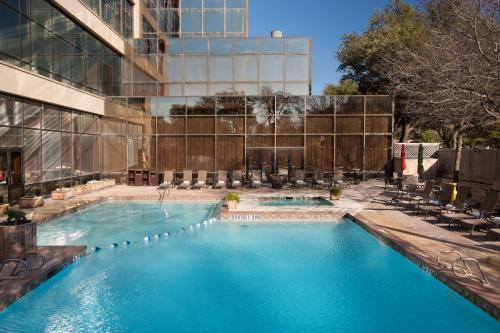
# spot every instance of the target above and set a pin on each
(147, 239)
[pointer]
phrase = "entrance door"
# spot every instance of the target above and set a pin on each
(11, 176)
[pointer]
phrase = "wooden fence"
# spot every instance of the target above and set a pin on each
(476, 166)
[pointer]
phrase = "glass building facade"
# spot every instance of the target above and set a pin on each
(193, 92)
(246, 133)
(118, 14)
(38, 36)
(60, 147)
(218, 66)
(194, 18)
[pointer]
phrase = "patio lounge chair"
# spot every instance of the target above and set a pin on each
(437, 206)
(421, 197)
(275, 180)
(168, 182)
(221, 179)
(236, 179)
(459, 207)
(479, 220)
(255, 179)
(298, 178)
(187, 179)
(201, 182)
(319, 180)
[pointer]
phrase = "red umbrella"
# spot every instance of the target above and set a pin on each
(403, 158)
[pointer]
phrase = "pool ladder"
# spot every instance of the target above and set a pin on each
(461, 268)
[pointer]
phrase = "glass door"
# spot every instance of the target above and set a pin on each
(260, 159)
(11, 176)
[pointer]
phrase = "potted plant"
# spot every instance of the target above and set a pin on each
(17, 235)
(30, 200)
(335, 193)
(232, 200)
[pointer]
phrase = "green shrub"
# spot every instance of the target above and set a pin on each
(335, 191)
(233, 197)
(421, 169)
(16, 217)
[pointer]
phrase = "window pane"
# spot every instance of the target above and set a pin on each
(272, 68)
(247, 46)
(213, 3)
(235, 21)
(51, 118)
(174, 72)
(272, 45)
(195, 46)
(191, 3)
(297, 46)
(221, 68)
(32, 113)
(297, 68)
(11, 113)
(51, 156)
(32, 156)
(246, 68)
(10, 39)
(213, 21)
(235, 3)
(221, 46)
(195, 69)
(191, 21)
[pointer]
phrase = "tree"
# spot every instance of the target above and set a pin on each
(452, 83)
(345, 87)
(360, 55)
(421, 169)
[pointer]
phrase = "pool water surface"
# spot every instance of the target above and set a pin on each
(233, 278)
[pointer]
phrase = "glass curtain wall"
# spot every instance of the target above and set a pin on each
(118, 14)
(218, 66)
(194, 18)
(61, 147)
(255, 132)
(37, 36)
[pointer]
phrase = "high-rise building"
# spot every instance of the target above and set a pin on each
(95, 88)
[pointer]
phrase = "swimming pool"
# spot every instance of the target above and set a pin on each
(293, 201)
(233, 278)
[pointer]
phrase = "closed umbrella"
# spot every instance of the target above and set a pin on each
(403, 158)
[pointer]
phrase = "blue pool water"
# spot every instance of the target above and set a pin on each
(234, 278)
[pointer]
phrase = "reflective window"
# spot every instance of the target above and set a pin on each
(297, 46)
(221, 68)
(235, 3)
(272, 45)
(246, 68)
(213, 3)
(235, 21)
(195, 46)
(297, 68)
(174, 72)
(195, 69)
(191, 21)
(221, 46)
(213, 21)
(191, 3)
(247, 46)
(271, 68)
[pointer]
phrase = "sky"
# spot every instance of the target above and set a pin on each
(325, 21)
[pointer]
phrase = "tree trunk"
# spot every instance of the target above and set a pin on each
(458, 156)
(405, 132)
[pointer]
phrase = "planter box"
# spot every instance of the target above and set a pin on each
(3, 209)
(30, 202)
(90, 187)
(79, 189)
(334, 197)
(63, 194)
(232, 205)
(16, 239)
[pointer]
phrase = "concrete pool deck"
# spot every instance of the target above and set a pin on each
(57, 258)
(414, 237)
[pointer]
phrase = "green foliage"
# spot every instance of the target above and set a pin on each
(16, 217)
(426, 136)
(361, 54)
(233, 197)
(346, 87)
(335, 191)
(421, 169)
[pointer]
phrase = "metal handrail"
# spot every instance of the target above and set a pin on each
(28, 254)
(18, 262)
(467, 273)
(440, 263)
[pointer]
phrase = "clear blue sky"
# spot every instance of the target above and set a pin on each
(325, 21)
